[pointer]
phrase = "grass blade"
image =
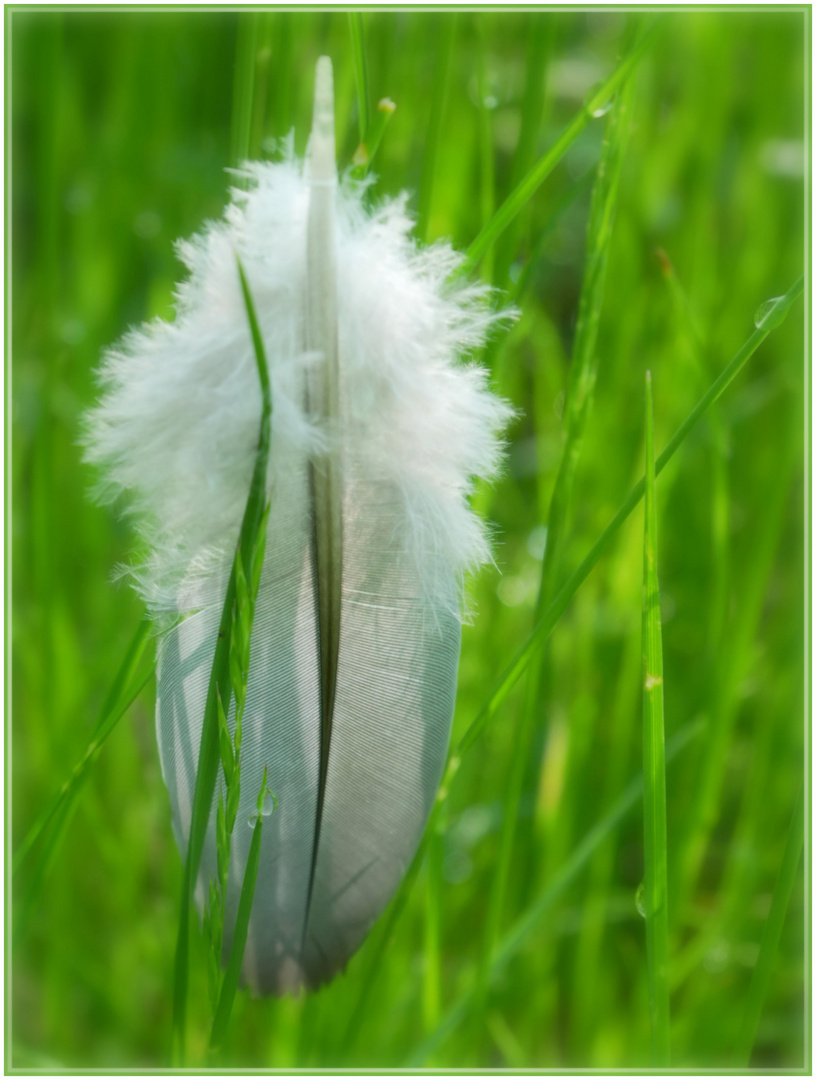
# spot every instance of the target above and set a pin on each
(521, 195)
(439, 94)
(523, 768)
(364, 154)
(116, 704)
(515, 937)
(539, 52)
(487, 170)
(433, 918)
(760, 981)
(236, 957)
(360, 72)
(243, 89)
(565, 594)
(545, 627)
(209, 752)
(733, 663)
(655, 884)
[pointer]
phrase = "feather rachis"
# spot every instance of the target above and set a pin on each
(323, 403)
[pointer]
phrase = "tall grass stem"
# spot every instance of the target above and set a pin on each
(655, 859)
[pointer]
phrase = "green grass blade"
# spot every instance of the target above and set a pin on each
(365, 152)
(521, 195)
(53, 824)
(565, 594)
(439, 94)
(573, 192)
(236, 957)
(655, 883)
(734, 663)
(432, 992)
(579, 399)
(761, 978)
(209, 752)
(487, 177)
(545, 627)
(360, 72)
(515, 937)
(539, 52)
(243, 88)
(123, 692)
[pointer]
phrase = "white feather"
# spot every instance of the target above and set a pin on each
(398, 433)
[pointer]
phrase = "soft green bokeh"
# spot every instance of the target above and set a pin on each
(121, 126)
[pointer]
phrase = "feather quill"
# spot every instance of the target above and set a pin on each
(379, 427)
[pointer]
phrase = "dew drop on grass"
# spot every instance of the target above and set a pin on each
(269, 807)
(770, 314)
(640, 899)
(596, 105)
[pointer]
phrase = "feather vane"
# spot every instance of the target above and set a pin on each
(379, 426)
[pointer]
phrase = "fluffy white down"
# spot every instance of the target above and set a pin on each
(177, 422)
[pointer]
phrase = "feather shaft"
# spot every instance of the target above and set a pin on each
(324, 406)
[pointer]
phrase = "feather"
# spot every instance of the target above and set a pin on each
(379, 426)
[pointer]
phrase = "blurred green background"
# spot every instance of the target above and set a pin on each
(120, 125)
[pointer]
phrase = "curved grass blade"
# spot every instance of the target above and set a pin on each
(655, 883)
(579, 399)
(540, 46)
(733, 662)
(364, 154)
(760, 981)
(444, 56)
(123, 692)
(565, 594)
(360, 72)
(544, 629)
(220, 684)
(54, 822)
(521, 195)
(515, 937)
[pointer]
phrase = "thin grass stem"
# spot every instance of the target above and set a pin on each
(655, 882)
(761, 978)
(579, 399)
(512, 941)
(220, 685)
(562, 598)
(439, 95)
(239, 938)
(360, 72)
(122, 693)
(243, 89)
(541, 633)
(521, 195)
(539, 51)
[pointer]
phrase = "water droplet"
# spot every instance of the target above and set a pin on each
(596, 102)
(270, 805)
(640, 899)
(770, 314)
